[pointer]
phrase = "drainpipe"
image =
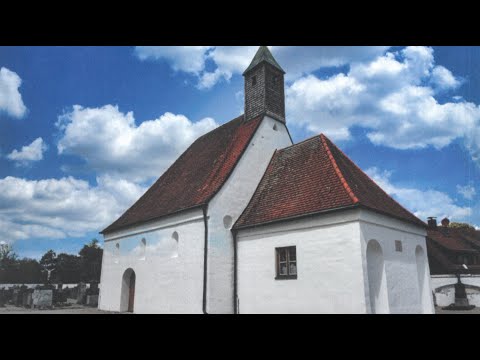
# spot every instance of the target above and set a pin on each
(205, 260)
(235, 295)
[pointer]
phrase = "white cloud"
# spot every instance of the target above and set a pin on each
(57, 208)
(190, 59)
(443, 78)
(10, 98)
(29, 153)
(467, 191)
(233, 60)
(125, 156)
(112, 143)
(391, 96)
(422, 203)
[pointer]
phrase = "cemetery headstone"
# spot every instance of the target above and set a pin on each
(42, 298)
(82, 293)
(92, 300)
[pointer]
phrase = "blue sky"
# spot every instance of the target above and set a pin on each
(85, 130)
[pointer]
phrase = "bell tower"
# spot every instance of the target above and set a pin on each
(264, 87)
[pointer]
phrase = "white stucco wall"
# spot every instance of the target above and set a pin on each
(400, 267)
(444, 288)
(168, 280)
(231, 200)
(329, 266)
(332, 265)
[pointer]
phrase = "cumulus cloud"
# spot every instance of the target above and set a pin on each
(467, 191)
(10, 98)
(112, 143)
(190, 59)
(124, 155)
(57, 208)
(233, 60)
(393, 97)
(29, 153)
(443, 78)
(423, 203)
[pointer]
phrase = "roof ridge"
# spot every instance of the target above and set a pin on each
(299, 143)
(363, 172)
(218, 127)
(338, 171)
(259, 119)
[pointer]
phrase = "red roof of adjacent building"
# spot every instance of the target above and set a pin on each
(455, 239)
(445, 243)
(195, 177)
(315, 176)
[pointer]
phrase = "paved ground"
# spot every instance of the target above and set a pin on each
(473, 311)
(74, 309)
(78, 309)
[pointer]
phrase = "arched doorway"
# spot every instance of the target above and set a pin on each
(127, 300)
(377, 281)
(422, 280)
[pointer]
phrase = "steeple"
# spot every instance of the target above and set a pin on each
(264, 87)
(263, 54)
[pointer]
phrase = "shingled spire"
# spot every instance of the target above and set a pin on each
(264, 87)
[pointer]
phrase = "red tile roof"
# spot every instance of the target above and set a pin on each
(443, 246)
(195, 177)
(315, 176)
(454, 239)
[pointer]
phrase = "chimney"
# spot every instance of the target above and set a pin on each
(432, 222)
(445, 222)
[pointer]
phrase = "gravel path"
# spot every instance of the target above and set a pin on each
(76, 309)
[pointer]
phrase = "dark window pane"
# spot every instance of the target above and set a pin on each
(293, 254)
(283, 269)
(283, 255)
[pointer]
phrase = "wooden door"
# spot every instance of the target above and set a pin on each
(131, 293)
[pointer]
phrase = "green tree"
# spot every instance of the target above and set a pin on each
(29, 271)
(91, 261)
(8, 263)
(68, 269)
(458, 225)
(49, 263)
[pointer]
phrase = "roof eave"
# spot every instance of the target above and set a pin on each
(295, 217)
(123, 227)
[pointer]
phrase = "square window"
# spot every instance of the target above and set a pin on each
(286, 259)
(398, 246)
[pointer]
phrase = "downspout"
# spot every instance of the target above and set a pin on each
(235, 295)
(205, 260)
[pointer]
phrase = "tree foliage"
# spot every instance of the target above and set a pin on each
(65, 268)
(459, 225)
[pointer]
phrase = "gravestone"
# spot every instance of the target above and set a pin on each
(16, 297)
(27, 300)
(92, 300)
(82, 293)
(42, 298)
(93, 290)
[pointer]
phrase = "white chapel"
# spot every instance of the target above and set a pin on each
(245, 221)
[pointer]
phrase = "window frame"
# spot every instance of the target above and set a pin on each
(288, 261)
